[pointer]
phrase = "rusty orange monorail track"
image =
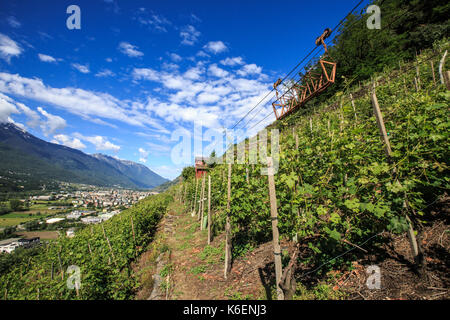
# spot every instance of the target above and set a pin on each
(311, 84)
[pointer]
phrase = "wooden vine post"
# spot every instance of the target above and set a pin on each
(247, 177)
(202, 200)
(134, 235)
(432, 72)
(275, 233)
(209, 209)
(418, 75)
(60, 264)
(109, 244)
(441, 67)
(416, 84)
(310, 124)
(353, 105)
(388, 151)
(228, 229)
(195, 197)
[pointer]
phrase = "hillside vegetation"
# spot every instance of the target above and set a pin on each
(335, 185)
(104, 254)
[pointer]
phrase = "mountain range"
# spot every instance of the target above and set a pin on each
(28, 157)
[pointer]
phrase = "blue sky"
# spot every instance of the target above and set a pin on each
(137, 71)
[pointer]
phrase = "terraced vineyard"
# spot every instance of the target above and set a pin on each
(103, 253)
(335, 185)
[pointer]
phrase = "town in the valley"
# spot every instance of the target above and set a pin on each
(27, 220)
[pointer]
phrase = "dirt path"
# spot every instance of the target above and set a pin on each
(196, 268)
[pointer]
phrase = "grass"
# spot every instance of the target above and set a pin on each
(321, 291)
(198, 269)
(13, 221)
(166, 270)
(211, 254)
(237, 295)
(183, 246)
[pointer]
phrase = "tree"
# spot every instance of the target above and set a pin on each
(15, 204)
(212, 159)
(188, 172)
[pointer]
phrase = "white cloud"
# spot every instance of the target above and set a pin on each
(175, 57)
(232, 61)
(34, 120)
(206, 97)
(68, 141)
(193, 73)
(13, 22)
(145, 74)
(84, 103)
(8, 48)
(105, 73)
(170, 66)
(81, 68)
(215, 47)
(53, 123)
(249, 69)
(6, 108)
(100, 143)
(130, 50)
(143, 155)
(216, 71)
(46, 58)
(216, 98)
(202, 54)
(108, 60)
(154, 21)
(189, 35)
(18, 124)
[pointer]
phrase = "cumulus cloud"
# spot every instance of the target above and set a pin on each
(8, 48)
(84, 103)
(249, 69)
(34, 120)
(46, 58)
(68, 141)
(232, 61)
(205, 98)
(6, 108)
(194, 73)
(202, 54)
(175, 57)
(130, 50)
(215, 47)
(81, 68)
(215, 98)
(52, 124)
(216, 71)
(145, 74)
(189, 35)
(105, 73)
(143, 155)
(100, 143)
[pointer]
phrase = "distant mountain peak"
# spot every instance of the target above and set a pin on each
(13, 126)
(72, 165)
